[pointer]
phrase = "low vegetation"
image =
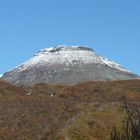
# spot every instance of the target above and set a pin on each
(87, 111)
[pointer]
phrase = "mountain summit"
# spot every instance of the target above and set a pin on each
(66, 64)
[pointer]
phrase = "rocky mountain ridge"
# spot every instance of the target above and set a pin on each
(67, 64)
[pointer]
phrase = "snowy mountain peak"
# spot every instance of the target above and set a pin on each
(69, 54)
(67, 64)
(71, 48)
(63, 48)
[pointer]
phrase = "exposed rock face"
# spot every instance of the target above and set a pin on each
(66, 64)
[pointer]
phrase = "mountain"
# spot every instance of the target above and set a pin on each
(67, 64)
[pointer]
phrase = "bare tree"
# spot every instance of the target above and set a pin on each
(131, 128)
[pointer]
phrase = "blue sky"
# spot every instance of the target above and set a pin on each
(110, 27)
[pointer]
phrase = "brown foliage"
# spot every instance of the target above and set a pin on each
(82, 111)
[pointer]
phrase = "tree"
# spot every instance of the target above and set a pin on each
(131, 122)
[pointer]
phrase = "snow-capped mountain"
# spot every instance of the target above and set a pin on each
(67, 64)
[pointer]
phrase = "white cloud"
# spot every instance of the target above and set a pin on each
(1, 75)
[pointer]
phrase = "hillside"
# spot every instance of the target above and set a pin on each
(85, 111)
(67, 64)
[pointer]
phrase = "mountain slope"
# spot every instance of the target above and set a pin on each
(86, 111)
(66, 64)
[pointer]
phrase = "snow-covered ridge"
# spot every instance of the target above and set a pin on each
(68, 55)
(63, 48)
(113, 64)
(71, 48)
(61, 54)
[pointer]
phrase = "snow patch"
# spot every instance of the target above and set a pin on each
(113, 64)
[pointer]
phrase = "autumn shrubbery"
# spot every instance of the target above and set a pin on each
(85, 111)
